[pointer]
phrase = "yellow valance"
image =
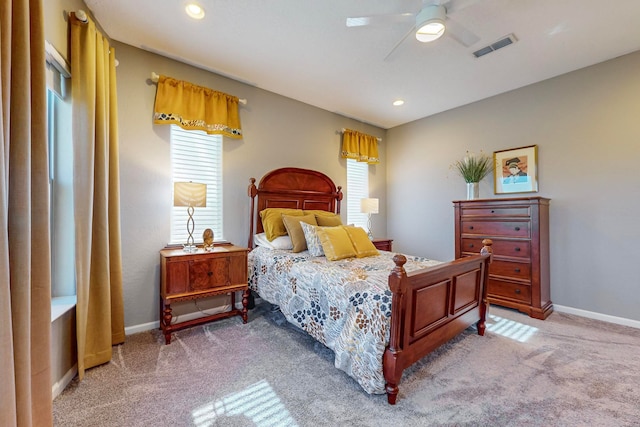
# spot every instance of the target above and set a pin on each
(196, 108)
(359, 146)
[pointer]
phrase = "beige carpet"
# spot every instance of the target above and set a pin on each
(564, 371)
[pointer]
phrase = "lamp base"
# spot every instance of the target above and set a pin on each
(190, 248)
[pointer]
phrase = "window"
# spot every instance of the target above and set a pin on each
(357, 188)
(62, 223)
(197, 156)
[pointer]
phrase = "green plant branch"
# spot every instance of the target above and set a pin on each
(474, 168)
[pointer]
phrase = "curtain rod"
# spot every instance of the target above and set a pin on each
(379, 139)
(155, 77)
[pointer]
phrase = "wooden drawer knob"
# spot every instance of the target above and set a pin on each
(517, 228)
(517, 249)
(517, 270)
(471, 227)
(517, 291)
(210, 273)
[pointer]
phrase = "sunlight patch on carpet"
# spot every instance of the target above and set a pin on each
(510, 328)
(258, 403)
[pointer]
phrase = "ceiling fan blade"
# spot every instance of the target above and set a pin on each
(453, 6)
(412, 30)
(460, 34)
(361, 21)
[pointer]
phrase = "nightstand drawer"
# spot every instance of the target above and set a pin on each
(217, 272)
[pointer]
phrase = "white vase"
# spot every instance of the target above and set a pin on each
(473, 190)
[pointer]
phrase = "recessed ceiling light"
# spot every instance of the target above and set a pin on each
(195, 11)
(398, 102)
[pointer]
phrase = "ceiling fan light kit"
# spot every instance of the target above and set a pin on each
(430, 23)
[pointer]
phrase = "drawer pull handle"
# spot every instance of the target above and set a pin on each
(517, 270)
(471, 245)
(471, 227)
(517, 291)
(517, 228)
(493, 211)
(210, 273)
(517, 249)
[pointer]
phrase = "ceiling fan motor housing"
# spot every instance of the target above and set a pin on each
(430, 23)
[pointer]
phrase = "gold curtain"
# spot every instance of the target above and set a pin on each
(25, 278)
(360, 146)
(99, 310)
(195, 107)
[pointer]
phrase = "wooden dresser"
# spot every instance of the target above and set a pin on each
(190, 276)
(519, 228)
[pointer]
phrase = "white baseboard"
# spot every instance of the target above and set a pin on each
(597, 316)
(57, 388)
(130, 330)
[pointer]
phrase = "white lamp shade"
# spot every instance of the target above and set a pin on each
(190, 194)
(369, 206)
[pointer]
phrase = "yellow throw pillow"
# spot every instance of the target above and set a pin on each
(325, 218)
(272, 221)
(336, 243)
(360, 240)
(329, 220)
(294, 229)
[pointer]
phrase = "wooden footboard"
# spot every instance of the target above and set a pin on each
(430, 307)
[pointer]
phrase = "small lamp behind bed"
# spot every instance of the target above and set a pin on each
(369, 206)
(190, 194)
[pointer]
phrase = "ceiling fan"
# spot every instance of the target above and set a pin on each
(429, 23)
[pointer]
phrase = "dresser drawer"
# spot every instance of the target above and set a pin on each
(515, 270)
(497, 228)
(510, 248)
(524, 211)
(509, 290)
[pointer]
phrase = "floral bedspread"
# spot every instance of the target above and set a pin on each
(345, 304)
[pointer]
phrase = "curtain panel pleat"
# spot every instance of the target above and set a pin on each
(100, 307)
(359, 146)
(196, 108)
(25, 274)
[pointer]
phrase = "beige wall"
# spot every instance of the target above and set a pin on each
(583, 123)
(278, 132)
(586, 126)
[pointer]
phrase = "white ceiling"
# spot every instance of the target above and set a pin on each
(303, 49)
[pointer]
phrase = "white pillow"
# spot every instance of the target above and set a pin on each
(282, 242)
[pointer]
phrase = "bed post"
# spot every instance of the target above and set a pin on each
(486, 250)
(253, 191)
(391, 366)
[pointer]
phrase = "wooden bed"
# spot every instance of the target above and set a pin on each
(428, 308)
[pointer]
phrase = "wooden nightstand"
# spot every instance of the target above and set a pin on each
(189, 276)
(383, 244)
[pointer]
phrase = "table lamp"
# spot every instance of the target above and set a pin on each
(369, 206)
(190, 194)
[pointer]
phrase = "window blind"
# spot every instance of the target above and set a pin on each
(197, 157)
(357, 188)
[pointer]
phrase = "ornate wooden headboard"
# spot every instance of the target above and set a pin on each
(291, 188)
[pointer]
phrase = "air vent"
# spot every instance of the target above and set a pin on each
(505, 41)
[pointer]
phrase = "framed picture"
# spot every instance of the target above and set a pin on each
(516, 170)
